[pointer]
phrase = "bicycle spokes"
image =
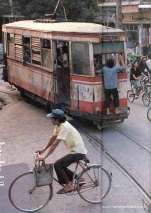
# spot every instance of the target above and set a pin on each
(25, 196)
(97, 184)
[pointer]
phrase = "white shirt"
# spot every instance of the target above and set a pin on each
(71, 138)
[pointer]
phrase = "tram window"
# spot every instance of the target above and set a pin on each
(98, 62)
(80, 58)
(26, 49)
(115, 56)
(45, 43)
(104, 51)
(10, 45)
(10, 37)
(46, 53)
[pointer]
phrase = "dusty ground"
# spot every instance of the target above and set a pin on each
(8, 95)
(24, 128)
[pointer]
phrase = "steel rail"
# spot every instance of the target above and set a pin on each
(99, 143)
(133, 140)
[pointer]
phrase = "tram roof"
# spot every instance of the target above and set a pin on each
(66, 27)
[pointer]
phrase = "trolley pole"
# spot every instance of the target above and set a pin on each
(119, 14)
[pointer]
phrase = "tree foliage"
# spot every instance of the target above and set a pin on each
(4, 7)
(77, 10)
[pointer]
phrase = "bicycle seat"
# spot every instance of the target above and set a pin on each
(86, 160)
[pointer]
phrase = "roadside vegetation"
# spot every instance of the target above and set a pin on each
(79, 10)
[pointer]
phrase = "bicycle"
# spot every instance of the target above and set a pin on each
(34, 198)
(136, 91)
(146, 97)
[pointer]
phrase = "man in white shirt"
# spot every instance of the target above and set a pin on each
(64, 131)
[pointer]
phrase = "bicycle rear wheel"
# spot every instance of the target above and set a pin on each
(149, 114)
(146, 99)
(96, 186)
(130, 96)
(25, 197)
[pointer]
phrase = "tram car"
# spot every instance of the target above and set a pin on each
(55, 62)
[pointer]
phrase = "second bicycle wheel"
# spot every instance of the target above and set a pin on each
(97, 184)
(27, 198)
(149, 114)
(130, 96)
(146, 99)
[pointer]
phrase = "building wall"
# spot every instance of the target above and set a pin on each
(136, 22)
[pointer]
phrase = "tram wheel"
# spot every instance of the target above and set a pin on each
(99, 126)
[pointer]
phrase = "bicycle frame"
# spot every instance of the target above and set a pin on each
(79, 163)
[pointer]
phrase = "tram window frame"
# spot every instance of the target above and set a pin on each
(36, 51)
(46, 54)
(77, 56)
(45, 43)
(11, 37)
(27, 55)
(10, 40)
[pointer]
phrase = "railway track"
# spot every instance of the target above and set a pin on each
(98, 142)
(132, 140)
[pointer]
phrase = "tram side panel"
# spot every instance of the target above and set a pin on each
(36, 81)
(87, 94)
(87, 97)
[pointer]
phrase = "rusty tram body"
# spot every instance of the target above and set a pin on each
(55, 63)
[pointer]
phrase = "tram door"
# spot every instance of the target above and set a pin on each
(61, 73)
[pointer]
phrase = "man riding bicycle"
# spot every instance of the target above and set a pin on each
(64, 131)
(135, 77)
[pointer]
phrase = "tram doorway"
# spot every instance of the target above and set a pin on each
(61, 73)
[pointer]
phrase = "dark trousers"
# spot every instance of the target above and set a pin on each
(114, 93)
(63, 173)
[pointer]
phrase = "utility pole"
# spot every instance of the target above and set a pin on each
(12, 11)
(11, 7)
(119, 14)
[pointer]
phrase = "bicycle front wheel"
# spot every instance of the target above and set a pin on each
(96, 185)
(149, 114)
(25, 197)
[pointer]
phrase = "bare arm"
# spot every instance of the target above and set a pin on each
(136, 78)
(121, 60)
(51, 140)
(51, 148)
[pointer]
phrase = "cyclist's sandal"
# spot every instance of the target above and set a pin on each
(63, 191)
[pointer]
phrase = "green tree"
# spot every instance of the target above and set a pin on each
(79, 10)
(4, 7)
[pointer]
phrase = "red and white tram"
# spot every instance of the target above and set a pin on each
(54, 62)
